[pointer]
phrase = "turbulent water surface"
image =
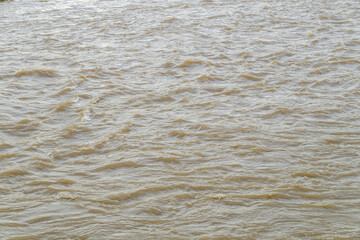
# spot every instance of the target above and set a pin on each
(179, 119)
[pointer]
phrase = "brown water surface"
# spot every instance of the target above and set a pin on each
(179, 119)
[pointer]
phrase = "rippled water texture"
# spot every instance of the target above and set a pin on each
(179, 119)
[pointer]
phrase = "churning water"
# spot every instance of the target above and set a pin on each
(179, 119)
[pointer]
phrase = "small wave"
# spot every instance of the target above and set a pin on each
(319, 71)
(63, 195)
(64, 91)
(168, 159)
(191, 63)
(278, 111)
(42, 165)
(179, 120)
(142, 192)
(306, 174)
(37, 72)
(250, 77)
(165, 98)
(248, 178)
(14, 224)
(208, 78)
(7, 155)
(26, 125)
(200, 126)
(71, 154)
(184, 90)
(339, 62)
(169, 20)
(14, 172)
(167, 65)
(214, 89)
(63, 106)
(229, 92)
(178, 133)
(218, 196)
(113, 166)
(37, 220)
(272, 195)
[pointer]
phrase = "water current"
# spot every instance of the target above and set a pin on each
(199, 119)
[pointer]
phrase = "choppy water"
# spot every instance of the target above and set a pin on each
(179, 119)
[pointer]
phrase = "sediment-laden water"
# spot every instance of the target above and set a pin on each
(179, 119)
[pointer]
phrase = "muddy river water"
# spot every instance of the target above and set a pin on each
(179, 119)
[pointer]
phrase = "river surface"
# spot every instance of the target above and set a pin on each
(179, 119)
